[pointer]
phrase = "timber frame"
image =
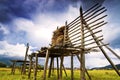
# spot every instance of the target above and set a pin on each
(24, 62)
(80, 38)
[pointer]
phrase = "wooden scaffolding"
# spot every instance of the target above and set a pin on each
(81, 36)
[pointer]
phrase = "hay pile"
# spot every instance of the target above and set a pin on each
(58, 37)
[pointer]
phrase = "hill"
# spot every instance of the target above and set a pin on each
(6, 59)
(108, 67)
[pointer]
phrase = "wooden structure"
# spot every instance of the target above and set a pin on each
(80, 37)
(14, 65)
(24, 62)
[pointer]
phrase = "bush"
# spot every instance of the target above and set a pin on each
(2, 64)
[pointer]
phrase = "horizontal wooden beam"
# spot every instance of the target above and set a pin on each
(93, 13)
(96, 15)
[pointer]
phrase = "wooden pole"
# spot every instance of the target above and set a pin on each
(103, 51)
(49, 74)
(61, 64)
(53, 65)
(64, 70)
(57, 68)
(85, 68)
(30, 66)
(36, 66)
(24, 65)
(111, 51)
(46, 64)
(82, 47)
(72, 73)
(13, 68)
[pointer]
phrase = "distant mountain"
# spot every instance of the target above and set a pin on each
(108, 67)
(6, 59)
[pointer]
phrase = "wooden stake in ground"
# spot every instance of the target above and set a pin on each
(46, 64)
(36, 66)
(26, 54)
(30, 66)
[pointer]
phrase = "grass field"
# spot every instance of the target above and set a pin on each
(5, 74)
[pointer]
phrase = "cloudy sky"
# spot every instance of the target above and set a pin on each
(33, 22)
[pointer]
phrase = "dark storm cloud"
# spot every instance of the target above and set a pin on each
(15, 8)
(88, 3)
(25, 8)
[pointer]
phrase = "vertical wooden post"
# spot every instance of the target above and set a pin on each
(85, 68)
(72, 73)
(46, 64)
(61, 64)
(53, 65)
(36, 65)
(57, 68)
(82, 46)
(30, 66)
(24, 65)
(49, 74)
(13, 67)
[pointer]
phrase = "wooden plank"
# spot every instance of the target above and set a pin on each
(97, 19)
(101, 23)
(93, 42)
(46, 64)
(72, 22)
(74, 34)
(73, 25)
(73, 28)
(95, 12)
(96, 15)
(93, 33)
(89, 10)
(85, 15)
(93, 39)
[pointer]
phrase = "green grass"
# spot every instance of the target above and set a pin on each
(5, 74)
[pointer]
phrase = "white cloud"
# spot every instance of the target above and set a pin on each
(4, 29)
(111, 31)
(39, 30)
(17, 50)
